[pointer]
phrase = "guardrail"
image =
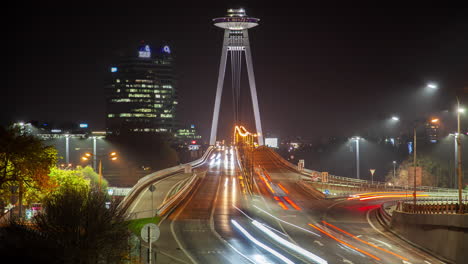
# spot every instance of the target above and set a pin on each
(174, 201)
(158, 175)
(307, 175)
(441, 207)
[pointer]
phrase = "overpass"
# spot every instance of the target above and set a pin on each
(268, 213)
(243, 203)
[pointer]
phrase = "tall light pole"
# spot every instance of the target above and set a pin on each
(394, 164)
(67, 149)
(455, 158)
(94, 153)
(357, 155)
(434, 120)
(459, 161)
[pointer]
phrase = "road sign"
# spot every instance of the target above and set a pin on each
(150, 230)
(152, 188)
(324, 176)
(372, 174)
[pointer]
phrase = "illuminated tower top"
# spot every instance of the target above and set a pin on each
(236, 19)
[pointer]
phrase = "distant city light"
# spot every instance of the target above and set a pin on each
(166, 49)
(114, 69)
(271, 142)
(83, 125)
(145, 52)
(56, 130)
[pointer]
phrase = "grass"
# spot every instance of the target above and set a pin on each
(136, 225)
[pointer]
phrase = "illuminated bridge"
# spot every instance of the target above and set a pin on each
(242, 203)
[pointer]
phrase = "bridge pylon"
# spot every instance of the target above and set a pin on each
(236, 42)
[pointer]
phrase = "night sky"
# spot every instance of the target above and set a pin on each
(320, 70)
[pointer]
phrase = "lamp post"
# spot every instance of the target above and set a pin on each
(434, 120)
(357, 155)
(112, 156)
(459, 161)
(394, 165)
(455, 158)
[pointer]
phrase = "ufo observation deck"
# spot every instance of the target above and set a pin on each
(236, 19)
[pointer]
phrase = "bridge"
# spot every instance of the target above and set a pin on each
(243, 203)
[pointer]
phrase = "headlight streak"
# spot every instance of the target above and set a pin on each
(260, 244)
(365, 242)
(277, 231)
(291, 224)
(344, 243)
(381, 195)
(289, 244)
(391, 196)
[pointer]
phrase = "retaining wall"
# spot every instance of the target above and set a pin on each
(444, 234)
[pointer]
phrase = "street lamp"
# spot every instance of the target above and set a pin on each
(459, 170)
(433, 120)
(357, 155)
(432, 85)
(87, 156)
(455, 158)
(394, 165)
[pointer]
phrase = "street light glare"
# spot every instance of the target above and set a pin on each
(113, 158)
(432, 85)
(88, 154)
(395, 118)
(84, 158)
(435, 120)
(461, 110)
(113, 154)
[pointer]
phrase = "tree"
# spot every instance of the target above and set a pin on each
(434, 172)
(24, 162)
(24, 158)
(75, 227)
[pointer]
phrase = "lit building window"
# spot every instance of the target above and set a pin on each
(138, 95)
(120, 100)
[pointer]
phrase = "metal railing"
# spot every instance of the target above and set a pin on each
(155, 176)
(308, 174)
(440, 207)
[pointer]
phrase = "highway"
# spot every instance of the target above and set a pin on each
(281, 222)
(349, 230)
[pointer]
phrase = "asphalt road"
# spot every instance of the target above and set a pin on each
(356, 236)
(219, 223)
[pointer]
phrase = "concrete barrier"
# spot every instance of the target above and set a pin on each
(444, 235)
(158, 175)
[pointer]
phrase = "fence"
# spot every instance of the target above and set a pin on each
(433, 207)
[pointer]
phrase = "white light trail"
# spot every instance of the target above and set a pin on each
(260, 244)
(289, 244)
(281, 220)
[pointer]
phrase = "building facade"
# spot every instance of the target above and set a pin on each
(142, 94)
